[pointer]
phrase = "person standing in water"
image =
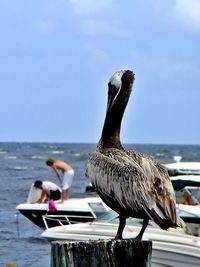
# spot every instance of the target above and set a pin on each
(65, 174)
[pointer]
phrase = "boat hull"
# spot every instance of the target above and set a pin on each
(72, 211)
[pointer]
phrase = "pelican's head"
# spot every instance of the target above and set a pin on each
(116, 79)
(120, 79)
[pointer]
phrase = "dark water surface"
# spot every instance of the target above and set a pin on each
(23, 163)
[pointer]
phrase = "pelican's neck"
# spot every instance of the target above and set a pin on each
(110, 136)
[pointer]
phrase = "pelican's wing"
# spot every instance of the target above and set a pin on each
(164, 208)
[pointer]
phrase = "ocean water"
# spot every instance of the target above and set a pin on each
(23, 163)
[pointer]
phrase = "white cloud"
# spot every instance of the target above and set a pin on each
(98, 17)
(188, 12)
(88, 7)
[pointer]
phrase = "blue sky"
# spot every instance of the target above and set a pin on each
(57, 57)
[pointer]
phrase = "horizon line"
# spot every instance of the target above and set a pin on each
(93, 143)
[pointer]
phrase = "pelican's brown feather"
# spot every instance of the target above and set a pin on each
(116, 173)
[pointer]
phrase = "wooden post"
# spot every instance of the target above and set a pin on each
(101, 253)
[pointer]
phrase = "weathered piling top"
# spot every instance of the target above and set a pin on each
(101, 253)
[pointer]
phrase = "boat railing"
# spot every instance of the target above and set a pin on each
(64, 219)
(96, 210)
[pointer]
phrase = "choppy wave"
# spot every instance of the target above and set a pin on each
(77, 154)
(58, 152)
(22, 168)
(37, 157)
(3, 152)
(11, 157)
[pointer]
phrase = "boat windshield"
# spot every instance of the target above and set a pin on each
(112, 216)
(186, 214)
(108, 216)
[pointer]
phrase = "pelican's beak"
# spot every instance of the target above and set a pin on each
(112, 93)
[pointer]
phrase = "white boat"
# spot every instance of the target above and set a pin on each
(189, 184)
(189, 213)
(71, 211)
(183, 168)
(185, 178)
(170, 248)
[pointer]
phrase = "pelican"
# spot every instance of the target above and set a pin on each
(130, 183)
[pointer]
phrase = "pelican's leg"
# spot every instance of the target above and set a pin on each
(144, 226)
(122, 223)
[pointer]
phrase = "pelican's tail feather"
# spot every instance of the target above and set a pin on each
(163, 221)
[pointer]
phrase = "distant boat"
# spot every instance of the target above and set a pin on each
(183, 168)
(187, 189)
(185, 178)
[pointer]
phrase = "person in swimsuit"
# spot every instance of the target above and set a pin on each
(49, 190)
(65, 174)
